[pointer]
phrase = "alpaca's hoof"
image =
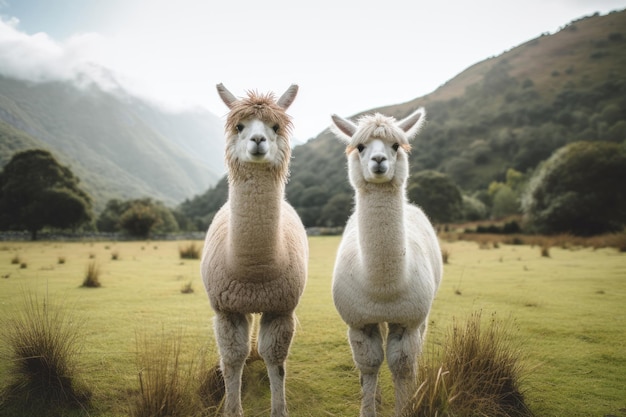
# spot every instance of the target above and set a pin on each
(279, 413)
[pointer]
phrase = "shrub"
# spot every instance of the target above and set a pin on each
(92, 278)
(42, 343)
(479, 375)
(167, 386)
(191, 251)
(574, 191)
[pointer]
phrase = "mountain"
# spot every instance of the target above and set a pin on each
(118, 145)
(509, 111)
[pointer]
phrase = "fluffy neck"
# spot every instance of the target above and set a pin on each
(255, 203)
(382, 231)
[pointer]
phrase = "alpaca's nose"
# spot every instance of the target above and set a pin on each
(379, 158)
(258, 139)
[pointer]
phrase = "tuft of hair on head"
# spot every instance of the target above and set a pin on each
(378, 126)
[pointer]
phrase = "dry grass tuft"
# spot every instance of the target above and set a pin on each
(479, 375)
(42, 344)
(545, 251)
(92, 277)
(167, 384)
(190, 251)
(16, 260)
(115, 255)
(212, 388)
(187, 288)
(445, 255)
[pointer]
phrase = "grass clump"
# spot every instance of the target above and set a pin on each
(42, 342)
(92, 276)
(187, 288)
(445, 255)
(168, 386)
(479, 375)
(189, 251)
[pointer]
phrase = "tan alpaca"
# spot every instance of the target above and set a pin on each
(388, 265)
(256, 250)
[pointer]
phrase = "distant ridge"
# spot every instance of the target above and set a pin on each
(118, 145)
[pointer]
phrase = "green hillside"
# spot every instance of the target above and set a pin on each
(120, 147)
(509, 111)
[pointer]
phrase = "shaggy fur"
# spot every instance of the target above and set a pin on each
(256, 251)
(261, 107)
(388, 265)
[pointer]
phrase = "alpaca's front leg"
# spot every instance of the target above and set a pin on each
(404, 345)
(275, 336)
(232, 331)
(367, 352)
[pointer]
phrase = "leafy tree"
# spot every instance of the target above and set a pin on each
(473, 208)
(109, 219)
(36, 192)
(505, 202)
(578, 190)
(505, 196)
(336, 211)
(139, 218)
(437, 195)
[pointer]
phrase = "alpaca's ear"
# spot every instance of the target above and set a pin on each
(288, 97)
(343, 128)
(412, 124)
(227, 97)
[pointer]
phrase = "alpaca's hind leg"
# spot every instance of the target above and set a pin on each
(275, 336)
(404, 345)
(367, 352)
(232, 331)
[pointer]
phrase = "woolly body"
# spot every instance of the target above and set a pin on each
(262, 269)
(388, 265)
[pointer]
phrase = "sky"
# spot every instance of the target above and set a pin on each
(346, 56)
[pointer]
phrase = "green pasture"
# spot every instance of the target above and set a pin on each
(567, 314)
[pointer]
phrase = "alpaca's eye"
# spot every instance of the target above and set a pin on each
(396, 146)
(239, 127)
(360, 147)
(275, 128)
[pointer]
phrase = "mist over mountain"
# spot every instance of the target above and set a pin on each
(120, 146)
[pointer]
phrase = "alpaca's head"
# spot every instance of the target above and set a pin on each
(378, 146)
(257, 130)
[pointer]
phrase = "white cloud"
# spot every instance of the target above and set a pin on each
(346, 56)
(40, 58)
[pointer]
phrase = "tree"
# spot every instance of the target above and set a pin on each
(578, 190)
(437, 195)
(336, 211)
(139, 218)
(36, 192)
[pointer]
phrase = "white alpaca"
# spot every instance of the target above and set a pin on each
(256, 251)
(388, 265)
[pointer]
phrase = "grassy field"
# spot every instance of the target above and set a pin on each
(567, 312)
